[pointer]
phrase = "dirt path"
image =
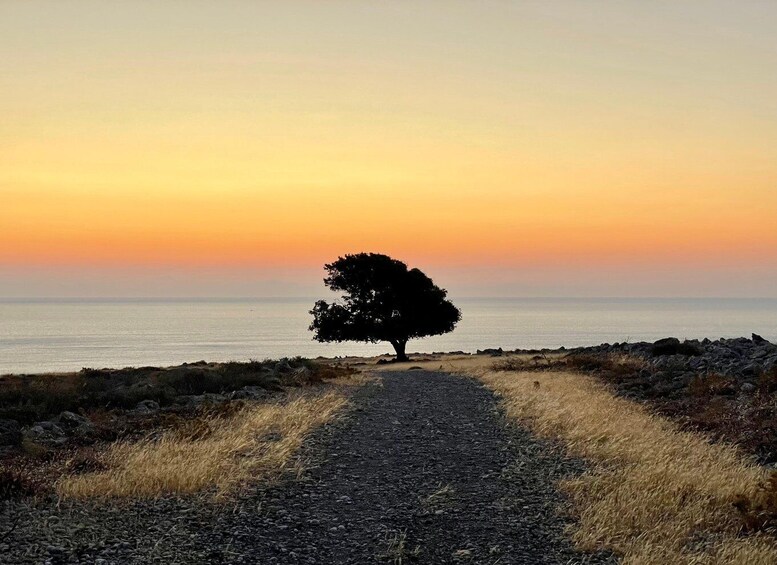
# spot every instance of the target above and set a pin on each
(426, 470)
(423, 469)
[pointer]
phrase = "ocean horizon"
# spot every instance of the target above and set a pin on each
(67, 334)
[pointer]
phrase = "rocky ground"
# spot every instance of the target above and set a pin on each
(726, 388)
(423, 469)
(740, 358)
(744, 359)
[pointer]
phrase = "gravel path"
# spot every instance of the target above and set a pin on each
(423, 469)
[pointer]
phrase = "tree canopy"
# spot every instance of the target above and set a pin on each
(382, 300)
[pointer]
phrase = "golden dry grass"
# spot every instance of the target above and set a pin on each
(653, 494)
(219, 454)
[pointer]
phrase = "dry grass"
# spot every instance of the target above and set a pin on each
(397, 550)
(654, 494)
(220, 453)
(439, 497)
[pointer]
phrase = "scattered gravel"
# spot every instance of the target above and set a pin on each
(423, 469)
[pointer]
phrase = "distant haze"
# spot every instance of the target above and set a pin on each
(185, 149)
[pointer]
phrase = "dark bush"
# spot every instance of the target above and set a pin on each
(609, 365)
(523, 364)
(767, 381)
(15, 484)
(673, 346)
(605, 364)
(588, 362)
(323, 372)
(128, 397)
(712, 385)
(31, 398)
(90, 373)
(84, 461)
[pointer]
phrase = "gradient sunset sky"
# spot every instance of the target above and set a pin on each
(184, 148)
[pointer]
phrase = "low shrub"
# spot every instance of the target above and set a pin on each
(712, 385)
(29, 398)
(525, 364)
(15, 484)
(610, 365)
(767, 381)
(90, 373)
(588, 362)
(84, 461)
(673, 346)
(322, 372)
(613, 365)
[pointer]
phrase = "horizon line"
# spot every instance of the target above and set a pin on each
(311, 297)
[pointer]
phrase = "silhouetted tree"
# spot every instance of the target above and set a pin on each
(383, 301)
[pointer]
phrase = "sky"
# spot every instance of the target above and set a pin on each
(548, 148)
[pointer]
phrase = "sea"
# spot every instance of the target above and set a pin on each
(67, 335)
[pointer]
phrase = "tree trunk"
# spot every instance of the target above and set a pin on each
(399, 347)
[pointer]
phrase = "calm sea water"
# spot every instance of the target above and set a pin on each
(58, 336)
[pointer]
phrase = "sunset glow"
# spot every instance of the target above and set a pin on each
(525, 139)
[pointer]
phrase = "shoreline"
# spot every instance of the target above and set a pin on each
(641, 348)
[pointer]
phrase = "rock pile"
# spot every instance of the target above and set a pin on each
(740, 358)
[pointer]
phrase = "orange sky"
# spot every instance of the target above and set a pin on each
(523, 140)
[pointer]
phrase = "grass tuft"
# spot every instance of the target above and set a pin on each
(397, 549)
(219, 452)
